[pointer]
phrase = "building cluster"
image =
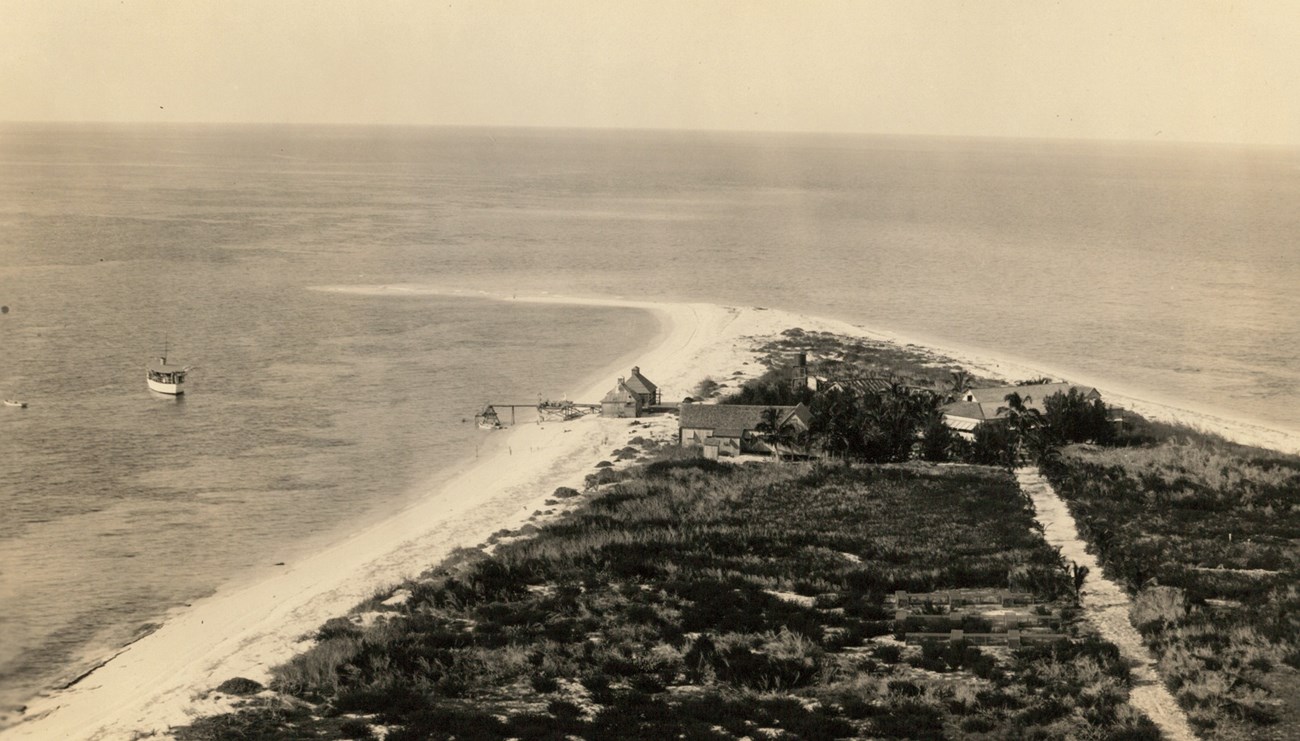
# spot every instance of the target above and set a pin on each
(720, 429)
(723, 430)
(980, 406)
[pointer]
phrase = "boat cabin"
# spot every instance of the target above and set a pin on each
(166, 379)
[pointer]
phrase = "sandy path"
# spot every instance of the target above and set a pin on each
(1106, 606)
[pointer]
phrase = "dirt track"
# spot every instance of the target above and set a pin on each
(1106, 606)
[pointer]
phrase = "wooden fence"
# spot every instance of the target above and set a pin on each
(999, 622)
(956, 598)
(1011, 638)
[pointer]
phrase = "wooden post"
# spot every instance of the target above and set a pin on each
(1013, 639)
(956, 636)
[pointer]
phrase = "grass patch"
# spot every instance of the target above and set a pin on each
(1206, 535)
(704, 601)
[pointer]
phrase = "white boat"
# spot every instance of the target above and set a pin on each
(166, 379)
(13, 403)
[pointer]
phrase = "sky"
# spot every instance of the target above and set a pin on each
(1179, 70)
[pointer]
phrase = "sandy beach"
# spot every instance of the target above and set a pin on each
(161, 680)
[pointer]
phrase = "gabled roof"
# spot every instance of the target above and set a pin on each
(620, 394)
(739, 417)
(1036, 393)
(639, 384)
(991, 403)
(863, 384)
(966, 409)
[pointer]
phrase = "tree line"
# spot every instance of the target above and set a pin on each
(902, 423)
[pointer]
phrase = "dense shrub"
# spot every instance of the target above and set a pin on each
(937, 441)
(1069, 418)
(913, 720)
(1156, 608)
(355, 729)
(239, 686)
(993, 446)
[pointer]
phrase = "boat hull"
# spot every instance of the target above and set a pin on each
(175, 389)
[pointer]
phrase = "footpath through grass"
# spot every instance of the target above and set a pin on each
(1206, 535)
(704, 601)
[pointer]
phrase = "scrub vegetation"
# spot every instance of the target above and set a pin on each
(696, 600)
(1206, 535)
(685, 598)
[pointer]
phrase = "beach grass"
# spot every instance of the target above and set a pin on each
(1206, 535)
(696, 599)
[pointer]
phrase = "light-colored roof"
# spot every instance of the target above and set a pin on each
(991, 403)
(961, 423)
(1034, 394)
(738, 417)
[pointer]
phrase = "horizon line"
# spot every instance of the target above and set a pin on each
(659, 130)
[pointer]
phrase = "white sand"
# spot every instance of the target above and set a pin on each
(160, 680)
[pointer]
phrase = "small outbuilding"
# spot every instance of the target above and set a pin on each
(621, 402)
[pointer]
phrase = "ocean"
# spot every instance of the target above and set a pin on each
(1168, 270)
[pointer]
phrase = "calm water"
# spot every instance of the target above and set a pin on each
(1171, 270)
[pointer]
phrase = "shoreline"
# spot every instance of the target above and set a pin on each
(158, 681)
(1245, 431)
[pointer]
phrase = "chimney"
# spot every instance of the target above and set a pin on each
(636, 370)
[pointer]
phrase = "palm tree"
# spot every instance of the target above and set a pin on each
(776, 431)
(835, 422)
(959, 382)
(1026, 424)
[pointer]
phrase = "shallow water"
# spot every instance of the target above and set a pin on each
(309, 415)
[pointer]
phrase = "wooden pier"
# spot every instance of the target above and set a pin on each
(547, 411)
